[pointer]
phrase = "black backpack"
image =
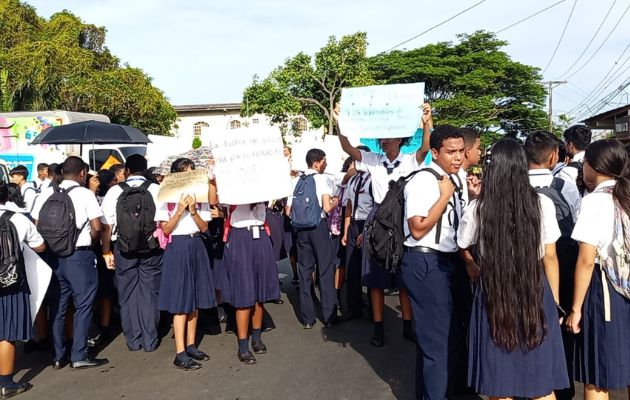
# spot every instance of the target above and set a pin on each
(579, 181)
(385, 232)
(563, 211)
(57, 222)
(135, 224)
(12, 271)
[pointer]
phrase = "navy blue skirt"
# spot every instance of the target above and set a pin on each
(281, 233)
(216, 252)
(15, 317)
(251, 269)
(602, 352)
(187, 283)
(372, 275)
(494, 372)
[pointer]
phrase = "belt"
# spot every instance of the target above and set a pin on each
(78, 248)
(421, 249)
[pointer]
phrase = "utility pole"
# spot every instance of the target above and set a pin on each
(551, 85)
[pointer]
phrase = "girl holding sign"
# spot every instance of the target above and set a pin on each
(384, 168)
(187, 283)
(252, 274)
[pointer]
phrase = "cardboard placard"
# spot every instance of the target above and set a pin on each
(383, 111)
(250, 165)
(194, 183)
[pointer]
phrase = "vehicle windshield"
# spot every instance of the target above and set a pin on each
(127, 151)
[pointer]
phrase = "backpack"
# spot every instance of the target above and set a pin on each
(135, 220)
(305, 210)
(579, 181)
(57, 222)
(563, 211)
(617, 265)
(12, 270)
(385, 232)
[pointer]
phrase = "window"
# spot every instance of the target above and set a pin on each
(301, 124)
(99, 157)
(235, 124)
(255, 121)
(198, 127)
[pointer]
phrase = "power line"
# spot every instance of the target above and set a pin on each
(440, 24)
(604, 101)
(561, 36)
(591, 41)
(531, 16)
(601, 45)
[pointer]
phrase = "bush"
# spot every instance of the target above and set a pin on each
(196, 143)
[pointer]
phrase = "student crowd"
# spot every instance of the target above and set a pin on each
(507, 281)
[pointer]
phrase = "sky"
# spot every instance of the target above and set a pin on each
(201, 52)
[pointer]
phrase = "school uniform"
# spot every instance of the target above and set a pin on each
(15, 310)
(427, 270)
(42, 184)
(543, 178)
(251, 267)
(280, 231)
(494, 372)
(75, 277)
(382, 171)
(315, 248)
(359, 193)
(187, 283)
(29, 194)
(602, 356)
(137, 278)
(569, 173)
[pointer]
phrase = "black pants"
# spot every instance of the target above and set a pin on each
(353, 268)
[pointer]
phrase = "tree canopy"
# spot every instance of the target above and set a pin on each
(63, 63)
(311, 85)
(470, 83)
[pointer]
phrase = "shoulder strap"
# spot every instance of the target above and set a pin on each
(146, 185)
(431, 170)
(70, 189)
(124, 186)
(6, 215)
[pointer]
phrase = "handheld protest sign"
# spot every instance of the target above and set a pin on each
(194, 183)
(384, 111)
(250, 165)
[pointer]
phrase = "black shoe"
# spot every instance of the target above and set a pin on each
(247, 358)
(409, 335)
(57, 365)
(259, 347)
(89, 363)
(332, 322)
(278, 301)
(31, 346)
(198, 355)
(295, 281)
(377, 341)
(18, 388)
(187, 365)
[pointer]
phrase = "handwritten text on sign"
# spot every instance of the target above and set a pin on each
(385, 111)
(194, 183)
(250, 165)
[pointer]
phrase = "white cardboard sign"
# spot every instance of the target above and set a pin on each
(382, 111)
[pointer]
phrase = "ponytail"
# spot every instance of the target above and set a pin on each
(621, 191)
(609, 158)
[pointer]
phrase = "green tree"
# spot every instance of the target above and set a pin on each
(63, 63)
(471, 83)
(311, 85)
(196, 143)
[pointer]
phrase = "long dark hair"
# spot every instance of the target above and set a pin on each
(509, 238)
(609, 157)
(15, 195)
(181, 164)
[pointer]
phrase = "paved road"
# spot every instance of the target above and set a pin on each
(300, 364)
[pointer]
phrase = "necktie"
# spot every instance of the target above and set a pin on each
(357, 190)
(389, 168)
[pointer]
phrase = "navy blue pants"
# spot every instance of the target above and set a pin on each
(353, 268)
(138, 283)
(428, 277)
(75, 279)
(315, 247)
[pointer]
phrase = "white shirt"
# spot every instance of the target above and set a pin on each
(244, 216)
(322, 187)
(86, 208)
(544, 177)
(373, 163)
(108, 205)
(365, 202)
(550, 232)
(596, 223)
(26, 230)
(421, 193)
(569, 173)
(29, 194)
(186, 224)
(42, 184)
(462, 182)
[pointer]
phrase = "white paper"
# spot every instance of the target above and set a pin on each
(38, 275)
(382, 111)
(250, 165)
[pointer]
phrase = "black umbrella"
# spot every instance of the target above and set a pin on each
(91, 132)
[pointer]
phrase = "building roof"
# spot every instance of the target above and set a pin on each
(606, 119)
(208, 107)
